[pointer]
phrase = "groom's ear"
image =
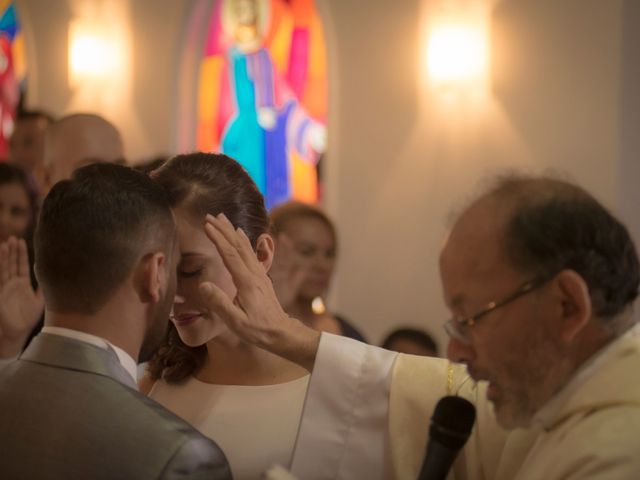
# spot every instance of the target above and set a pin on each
(265, 248)
(149, 277)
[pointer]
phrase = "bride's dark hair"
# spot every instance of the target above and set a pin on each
(202, 183)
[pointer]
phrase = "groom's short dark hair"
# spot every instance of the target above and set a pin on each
(92, 231)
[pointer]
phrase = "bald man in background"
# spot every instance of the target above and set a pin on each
(77, 140)
(71, 142)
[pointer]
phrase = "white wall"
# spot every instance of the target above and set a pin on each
(402, 156)
(629, 120)
(146, 107)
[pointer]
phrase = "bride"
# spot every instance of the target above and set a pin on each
(246, 398)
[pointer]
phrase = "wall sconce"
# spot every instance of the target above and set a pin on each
(94, 54)
(100, 63)
(457, 53)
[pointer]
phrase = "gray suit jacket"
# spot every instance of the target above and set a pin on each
(69, 410)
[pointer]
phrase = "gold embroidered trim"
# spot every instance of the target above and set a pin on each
(450, 379)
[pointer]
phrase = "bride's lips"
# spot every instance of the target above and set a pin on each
(185, 319)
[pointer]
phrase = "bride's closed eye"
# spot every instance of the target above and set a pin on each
(189, 273)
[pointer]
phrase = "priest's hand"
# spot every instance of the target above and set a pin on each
(255, 314)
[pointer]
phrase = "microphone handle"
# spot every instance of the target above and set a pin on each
(437, 461)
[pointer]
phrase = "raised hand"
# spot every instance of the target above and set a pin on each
(20, 306)
(255, 314)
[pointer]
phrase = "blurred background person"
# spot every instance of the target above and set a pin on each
(19, 311)
(18, 207)
(411, 341)
(26, 145)
(306, 249)
(77, 140)
(70, 142)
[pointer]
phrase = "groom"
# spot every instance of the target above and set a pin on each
(106, 254)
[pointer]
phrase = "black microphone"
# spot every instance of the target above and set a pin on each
(450, 428)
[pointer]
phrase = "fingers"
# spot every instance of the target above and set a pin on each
(13, 257)
(4, 263)
(236, 237)
(22, 261)
(9, 260)
(218, 301)
(248, 253)
(230, 256)
(233, 243)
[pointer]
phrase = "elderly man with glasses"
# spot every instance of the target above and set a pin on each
(541, 280)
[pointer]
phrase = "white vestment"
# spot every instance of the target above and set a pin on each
(367, 414)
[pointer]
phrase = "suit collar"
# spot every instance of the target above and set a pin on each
(124, 358)
(72, 354)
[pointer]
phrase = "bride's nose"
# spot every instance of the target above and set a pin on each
(178, 299)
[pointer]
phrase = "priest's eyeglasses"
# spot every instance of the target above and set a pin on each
(459, 328)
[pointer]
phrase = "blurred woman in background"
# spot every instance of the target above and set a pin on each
(304, 264)
(18, 211)
(411, 341)
(18, 205)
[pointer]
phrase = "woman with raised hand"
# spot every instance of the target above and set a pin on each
(20, 305)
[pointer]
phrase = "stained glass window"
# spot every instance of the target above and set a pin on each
(262, 93)
(12, 71)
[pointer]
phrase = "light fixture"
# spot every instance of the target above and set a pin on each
(93, 55)
(456, 54)
(457, 47)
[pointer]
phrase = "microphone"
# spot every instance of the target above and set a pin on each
(450, 428)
